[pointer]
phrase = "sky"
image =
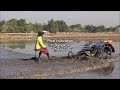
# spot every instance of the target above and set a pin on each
(106, 18)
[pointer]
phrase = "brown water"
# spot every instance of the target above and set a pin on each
(57, 48)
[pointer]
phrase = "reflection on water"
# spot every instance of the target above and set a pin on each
(14, 44)
(20, 45)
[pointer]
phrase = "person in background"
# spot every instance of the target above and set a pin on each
(39, 45)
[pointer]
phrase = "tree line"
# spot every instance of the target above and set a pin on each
(21, 26)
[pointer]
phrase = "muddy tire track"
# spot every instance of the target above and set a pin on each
(45, 69)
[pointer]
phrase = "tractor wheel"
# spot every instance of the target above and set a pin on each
(105, 53)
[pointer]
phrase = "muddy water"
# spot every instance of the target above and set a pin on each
(55, 48)
(25, 49)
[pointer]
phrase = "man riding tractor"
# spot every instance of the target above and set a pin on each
(39, 46)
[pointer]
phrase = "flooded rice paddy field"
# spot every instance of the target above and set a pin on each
(15, 63)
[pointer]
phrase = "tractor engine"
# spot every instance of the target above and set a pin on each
(96, 49)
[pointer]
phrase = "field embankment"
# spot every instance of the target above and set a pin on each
(32, 36)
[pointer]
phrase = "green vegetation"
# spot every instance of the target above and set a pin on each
(21, 26)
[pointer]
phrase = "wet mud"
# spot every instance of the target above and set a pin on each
(22, 66)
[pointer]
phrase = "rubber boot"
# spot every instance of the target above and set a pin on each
(38, 57)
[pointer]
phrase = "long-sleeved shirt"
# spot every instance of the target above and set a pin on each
(39, 43)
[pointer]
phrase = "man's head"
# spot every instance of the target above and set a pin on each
(40, 33)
